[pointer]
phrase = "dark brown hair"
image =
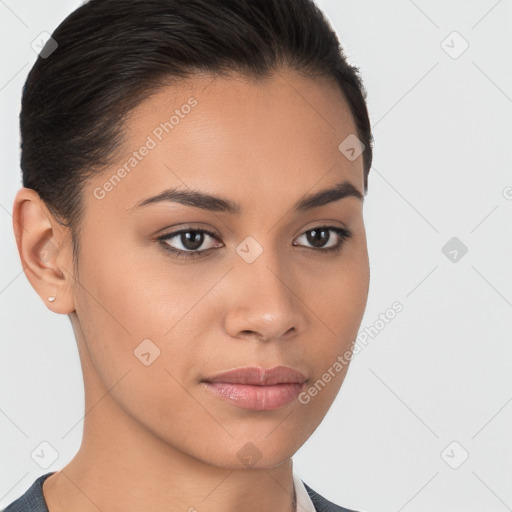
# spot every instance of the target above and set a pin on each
(111, 54)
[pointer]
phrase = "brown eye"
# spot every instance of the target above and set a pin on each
(191, 240)
(319, 236)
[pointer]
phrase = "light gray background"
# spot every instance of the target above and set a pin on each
(440, 370)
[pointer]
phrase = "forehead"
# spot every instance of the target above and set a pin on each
(238, 137)
(259, 108)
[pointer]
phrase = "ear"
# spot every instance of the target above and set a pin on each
(45, 249)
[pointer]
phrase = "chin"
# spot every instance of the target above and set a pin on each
(247, 454)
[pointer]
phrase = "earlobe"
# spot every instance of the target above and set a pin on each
(45, 250)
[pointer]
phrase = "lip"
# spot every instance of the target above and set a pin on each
(257, 376)
(257, 388)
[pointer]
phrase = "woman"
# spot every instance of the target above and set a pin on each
(193, 183)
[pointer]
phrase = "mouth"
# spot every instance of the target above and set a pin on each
(256, 388)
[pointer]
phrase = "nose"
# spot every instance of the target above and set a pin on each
(265, 300)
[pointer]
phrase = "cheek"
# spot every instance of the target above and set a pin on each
(337, 295)
(338, 301)
(126, 297)
(133, 313)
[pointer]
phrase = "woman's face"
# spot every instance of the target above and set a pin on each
(256, 284)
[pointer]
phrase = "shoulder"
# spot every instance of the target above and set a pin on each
(322, 504)
(32, 500)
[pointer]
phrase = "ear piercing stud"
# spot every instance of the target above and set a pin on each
(51, 299)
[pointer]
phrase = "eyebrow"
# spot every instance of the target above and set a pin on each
(212, 203)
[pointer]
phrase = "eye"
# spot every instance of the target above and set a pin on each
(191, 240)
(321, 235)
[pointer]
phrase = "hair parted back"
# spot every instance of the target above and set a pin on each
(112, 54)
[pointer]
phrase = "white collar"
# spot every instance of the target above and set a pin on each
(304, 503)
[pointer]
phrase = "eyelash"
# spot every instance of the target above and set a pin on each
(343, 234)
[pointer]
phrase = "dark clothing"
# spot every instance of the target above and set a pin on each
(33, 500)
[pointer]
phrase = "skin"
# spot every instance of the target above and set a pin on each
(154, 438)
